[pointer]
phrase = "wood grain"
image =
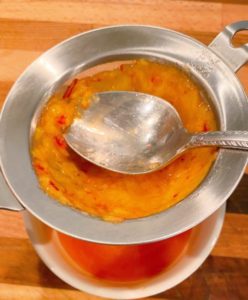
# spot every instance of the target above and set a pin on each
(237, 202)
(9, 59)
(233, 241)
(15, 34)
(17, 292)
(161, 13)
(27, 29)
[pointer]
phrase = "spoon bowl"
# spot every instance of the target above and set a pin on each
(128, 132)
(136, 133)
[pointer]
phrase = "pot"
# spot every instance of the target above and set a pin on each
(213, 67)
(47, 245)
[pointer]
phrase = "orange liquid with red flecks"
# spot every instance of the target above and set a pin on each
(73, 181)
(124, 263)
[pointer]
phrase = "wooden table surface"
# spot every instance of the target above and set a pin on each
(27, 28)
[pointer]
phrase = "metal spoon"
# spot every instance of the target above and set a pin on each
(135, 133)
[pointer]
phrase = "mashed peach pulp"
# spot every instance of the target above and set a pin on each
(70, 179)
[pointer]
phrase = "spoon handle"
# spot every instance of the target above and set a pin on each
(224, 139)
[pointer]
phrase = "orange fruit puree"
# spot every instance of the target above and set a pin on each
(124, 263)
(73, 181)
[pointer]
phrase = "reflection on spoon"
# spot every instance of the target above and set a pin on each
(136, 133)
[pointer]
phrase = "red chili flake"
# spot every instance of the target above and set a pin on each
(70, 88)
(155, 79)
(122, 68)
(53, 185)
(61, 120)
(102, 206)
(205, 127)
(175, 195)
(182, 159)
(97, 79)
(60, 141)
(39, 167)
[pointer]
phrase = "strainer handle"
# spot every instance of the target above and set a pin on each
(7, 199)
(225, 139)
(235, 57)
